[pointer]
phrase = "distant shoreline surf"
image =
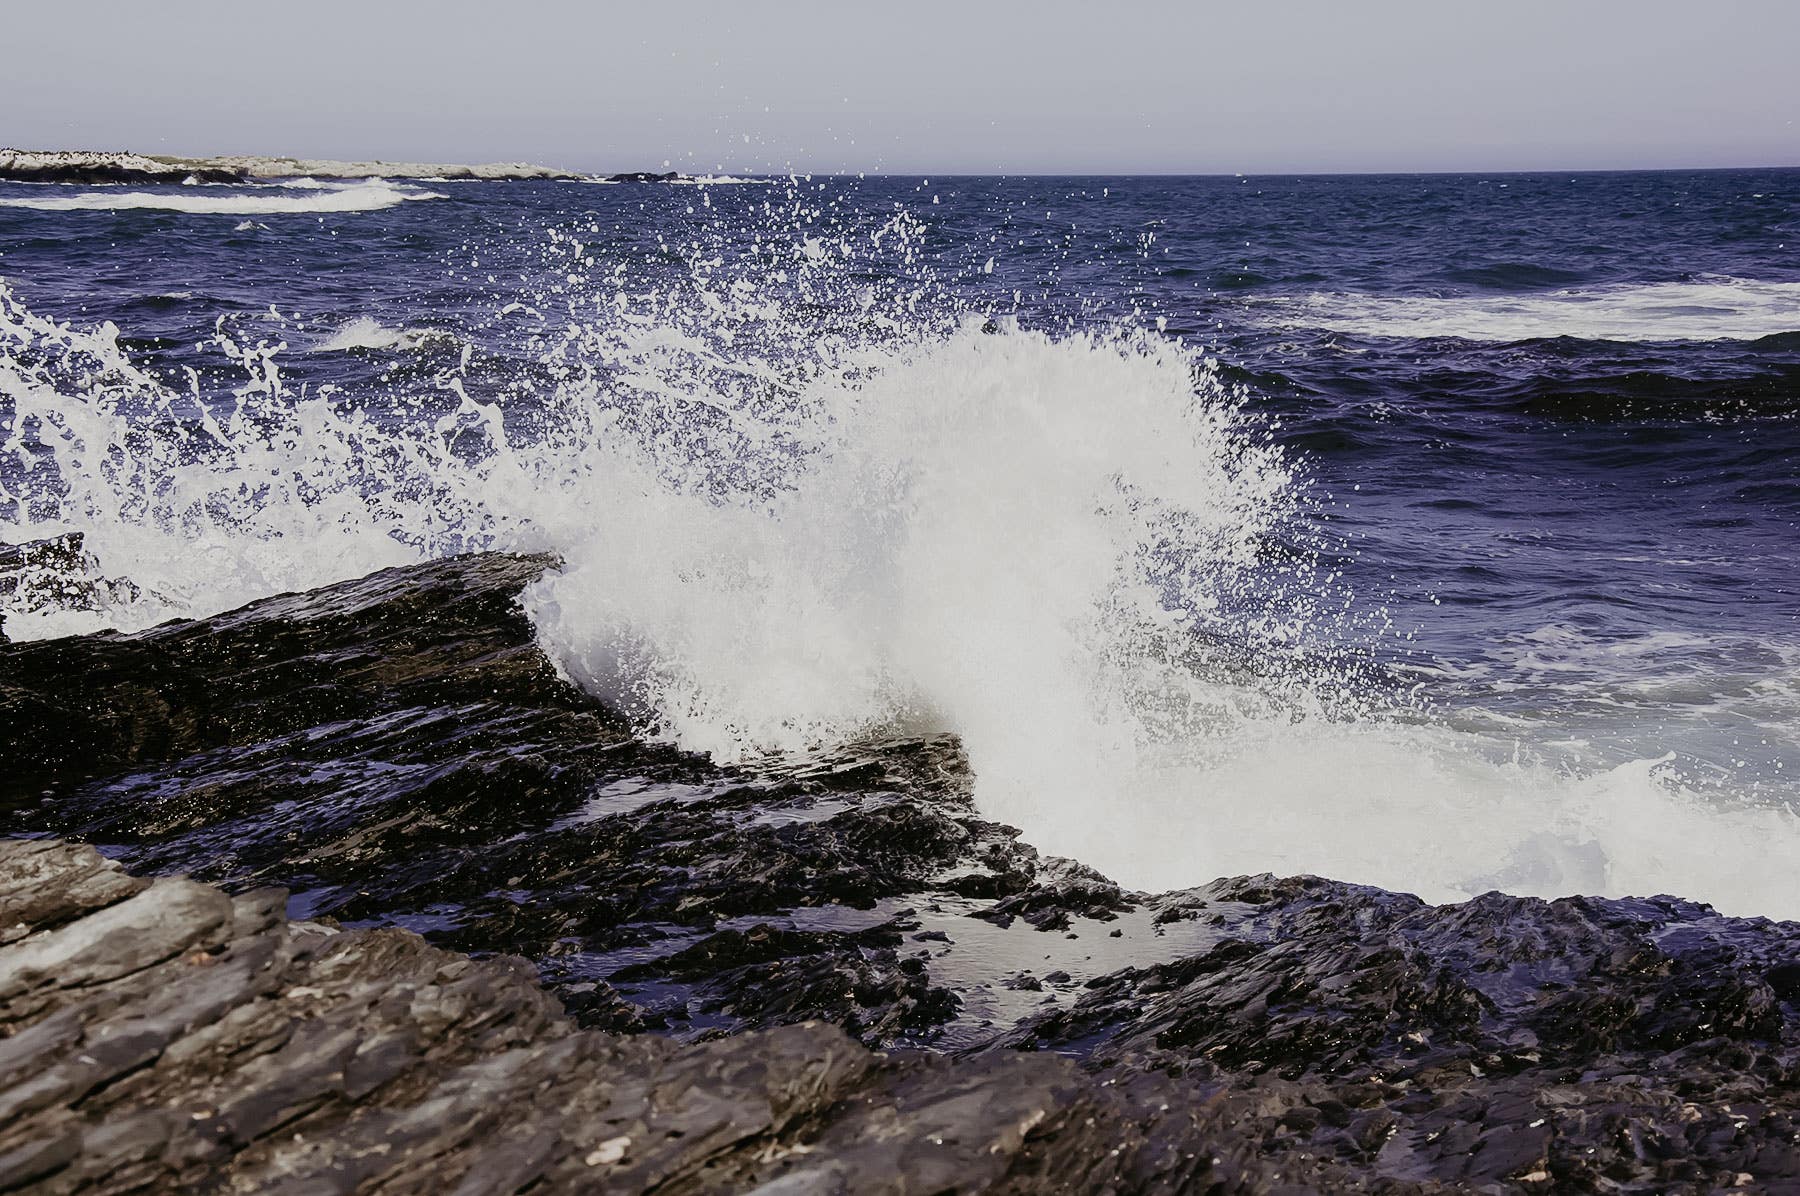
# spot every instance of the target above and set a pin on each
(94, 167)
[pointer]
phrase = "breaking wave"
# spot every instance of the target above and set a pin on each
(798, 515)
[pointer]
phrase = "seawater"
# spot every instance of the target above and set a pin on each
(1436, 532)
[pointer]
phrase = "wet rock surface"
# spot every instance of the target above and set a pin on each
(398, 755)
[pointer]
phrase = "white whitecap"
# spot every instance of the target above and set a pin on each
(364, 332)
(1710, 310)
(361, 197)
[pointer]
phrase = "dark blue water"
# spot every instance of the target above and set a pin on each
(1547, 426)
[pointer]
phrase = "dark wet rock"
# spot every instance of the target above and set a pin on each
(362, 657)
(396, 749)
(1579, 1043)
(1060, 891)
(767, 976)
(643, 176)
(399, 755)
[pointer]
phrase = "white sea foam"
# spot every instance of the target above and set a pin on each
(360, 197)
(697, 180)
(780, 536)
(365, 332)
(1715, 309)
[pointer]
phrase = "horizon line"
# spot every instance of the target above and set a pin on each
(1245, 174)
(792, 172)
(971, 173)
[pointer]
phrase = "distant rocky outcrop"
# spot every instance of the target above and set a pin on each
(82, 166)
(828, 974)
(254, 168)
(85, 166)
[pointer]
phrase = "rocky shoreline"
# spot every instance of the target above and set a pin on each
(96, 167)
(823, 974)
(162, 1036)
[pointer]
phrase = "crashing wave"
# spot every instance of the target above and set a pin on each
(796, 516)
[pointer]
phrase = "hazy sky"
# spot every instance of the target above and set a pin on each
(919, 85)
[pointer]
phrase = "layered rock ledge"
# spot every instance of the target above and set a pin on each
(828, 974)
(164, 1036)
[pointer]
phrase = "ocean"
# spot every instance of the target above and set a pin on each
(1437, 532)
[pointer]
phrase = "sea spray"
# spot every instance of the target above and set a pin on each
(797, 508)
(997, 529)
(981, 542)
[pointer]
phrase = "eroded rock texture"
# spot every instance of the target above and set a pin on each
(397, 753)
(165, 1036)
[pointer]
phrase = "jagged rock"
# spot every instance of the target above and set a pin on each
(381, 644)
(241, 1052)
(1582, 1043)
(381, 745)
(1059, 891)
(47, 884)
(397, 752)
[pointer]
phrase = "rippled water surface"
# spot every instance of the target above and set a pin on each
(1434, 531)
